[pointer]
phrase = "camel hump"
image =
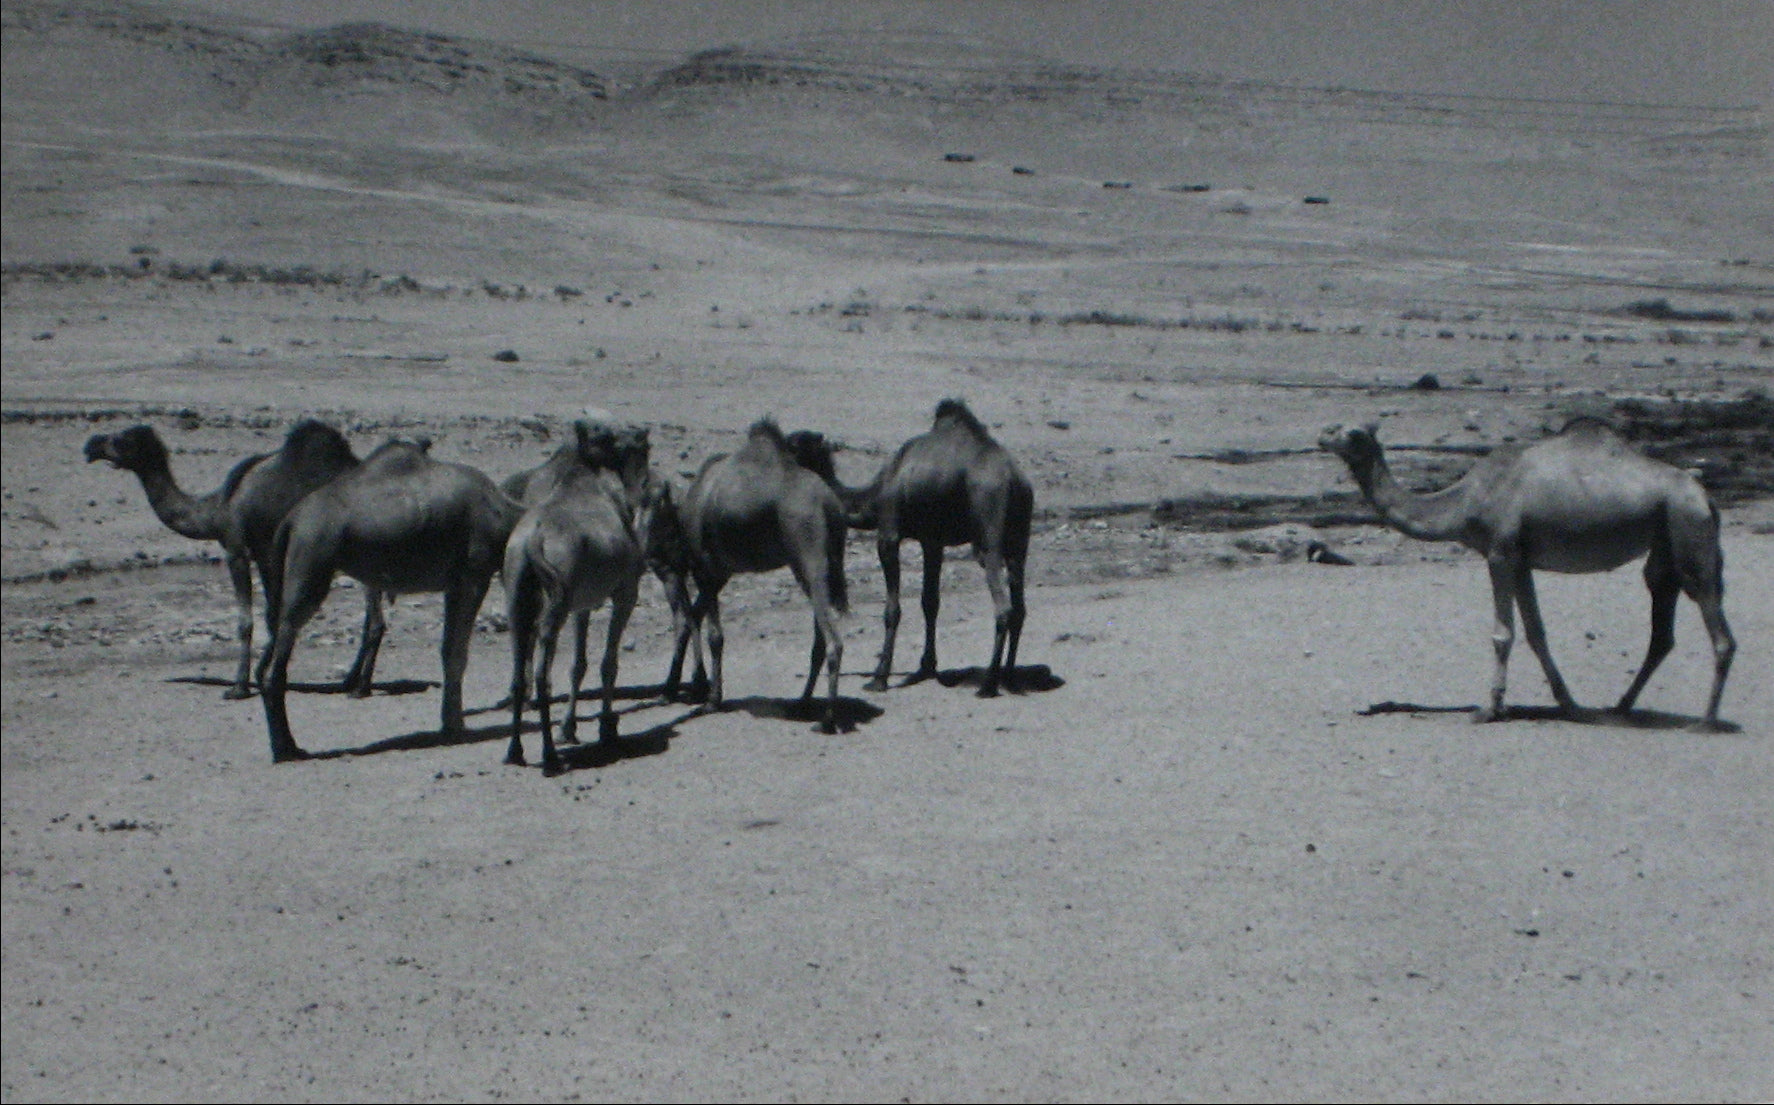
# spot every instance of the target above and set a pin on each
(313, 443)
(765, 443)
(1589, 425)
(955, 411)
(767, 428)
(397, 455)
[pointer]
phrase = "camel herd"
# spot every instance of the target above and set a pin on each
(583, 529)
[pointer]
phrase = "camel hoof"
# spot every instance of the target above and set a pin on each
(1485, 714)
(236, 693)
(990, 690)
(516, 759)
(877, 684)
(289, 755)
(551, 768)
(357, 692)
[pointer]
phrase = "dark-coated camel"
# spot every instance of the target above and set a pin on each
(243, 515)
(1581, 501)
(402, 523)
(954, 485)
(579, 544)
(757, 510)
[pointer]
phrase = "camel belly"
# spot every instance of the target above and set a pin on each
(1598, 550)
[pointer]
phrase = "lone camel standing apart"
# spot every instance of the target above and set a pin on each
(757, 510)
(243, 515)
(401, 523)
(951, 486)
(1580, 501)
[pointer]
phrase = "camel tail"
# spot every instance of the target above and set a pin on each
(272, 572)
(523, 590)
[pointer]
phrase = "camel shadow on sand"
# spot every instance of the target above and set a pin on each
(574, 757)
(381, 687)
(1026, 679)
(847, 713)
(1600, 718)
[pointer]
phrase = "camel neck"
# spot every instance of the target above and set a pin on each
(185, 515)
(1436, 516)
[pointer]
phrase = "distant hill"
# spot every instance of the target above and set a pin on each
(239, 67)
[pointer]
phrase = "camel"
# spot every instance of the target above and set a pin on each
(243, 515)
(951, 486)
(665, 551)
(400, 523)
(757, 510)
(1582, 500)
(580, 544)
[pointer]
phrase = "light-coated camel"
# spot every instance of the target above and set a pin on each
(665, 552)
(401, 523)
(757, 510)
(243, 515)
(951, 486)
(1581, 501)
(579, 544)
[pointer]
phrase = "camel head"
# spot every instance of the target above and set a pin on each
(621, 449)
(1359, 446)
(662, 527)
(814, 453)
(137, 449)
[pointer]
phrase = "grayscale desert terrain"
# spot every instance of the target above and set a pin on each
(1187, 859)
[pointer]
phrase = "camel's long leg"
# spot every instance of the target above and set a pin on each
(1529, 602)
(621, 606)
(554, 616)
(1013, 570)
(814, 659)
(360, 679)
(1724, 647)
(1701, 575)
(1665, 588)
(240, 574)
(932, 604)
(677, 596)
(462, 600)
(992, 560)
(1503, 577)
(708, 613)
(887, 545)
(522, 599)
(306, 591)
(827, 645)
(581, 630)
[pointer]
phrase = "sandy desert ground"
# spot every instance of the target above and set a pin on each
(1188, 860)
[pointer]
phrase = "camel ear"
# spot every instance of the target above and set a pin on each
(1372, 427)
